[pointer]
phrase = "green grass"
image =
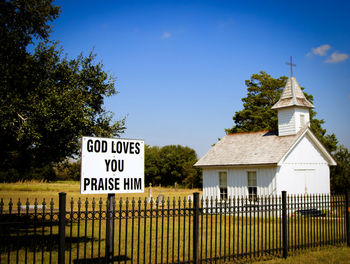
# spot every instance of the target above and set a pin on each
(155, 242)
(328, 255)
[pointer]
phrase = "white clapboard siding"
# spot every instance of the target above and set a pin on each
(237, 181)
(286, 122)
(289, 121)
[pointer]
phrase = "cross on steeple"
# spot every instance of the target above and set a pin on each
(291, 66)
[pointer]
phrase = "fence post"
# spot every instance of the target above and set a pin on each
(195, 226)
(347, 219)
(284, 224)
(61, 227)
(110, 228)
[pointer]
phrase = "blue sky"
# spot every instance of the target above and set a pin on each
(181, 65)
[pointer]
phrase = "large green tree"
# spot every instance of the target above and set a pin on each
(47, 101)
(340, 174)
(263, 92)
(152, 163)
(170, 164)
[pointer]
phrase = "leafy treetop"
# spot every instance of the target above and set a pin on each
(47, 102)
(263, 92)
(170, 164)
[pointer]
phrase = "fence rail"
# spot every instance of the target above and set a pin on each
(170, 231)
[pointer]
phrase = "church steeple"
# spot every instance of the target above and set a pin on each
(292, 95)
(292, 108)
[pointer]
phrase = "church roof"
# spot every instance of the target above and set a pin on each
(255, 148)
(292, 95)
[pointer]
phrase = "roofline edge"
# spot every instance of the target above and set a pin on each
(238, 165)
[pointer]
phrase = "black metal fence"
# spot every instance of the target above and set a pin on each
(170, 231)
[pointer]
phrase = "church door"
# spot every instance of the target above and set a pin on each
(305, 182)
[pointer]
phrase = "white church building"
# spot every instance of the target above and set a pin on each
(266, 163)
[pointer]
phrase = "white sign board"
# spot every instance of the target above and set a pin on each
(112, 166)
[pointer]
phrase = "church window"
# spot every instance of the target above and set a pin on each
(223, 185)
(252, 186)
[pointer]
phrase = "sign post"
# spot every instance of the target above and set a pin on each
(111, 166)
(110, 228)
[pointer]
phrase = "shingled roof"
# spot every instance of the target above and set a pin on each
(292, 95)
(256, 148)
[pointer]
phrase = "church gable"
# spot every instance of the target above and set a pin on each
(307, 150)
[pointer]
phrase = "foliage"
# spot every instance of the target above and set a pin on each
(257, 115)
(47, 101)
(152, 161)
(170, 164)
(68, 170)
(340, 174)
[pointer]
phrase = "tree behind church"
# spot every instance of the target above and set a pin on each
(257, 115)
(340, 174)
(47, 101)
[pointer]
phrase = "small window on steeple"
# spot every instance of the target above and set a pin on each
(302, 120)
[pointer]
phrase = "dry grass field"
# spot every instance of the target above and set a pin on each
(41, 190)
